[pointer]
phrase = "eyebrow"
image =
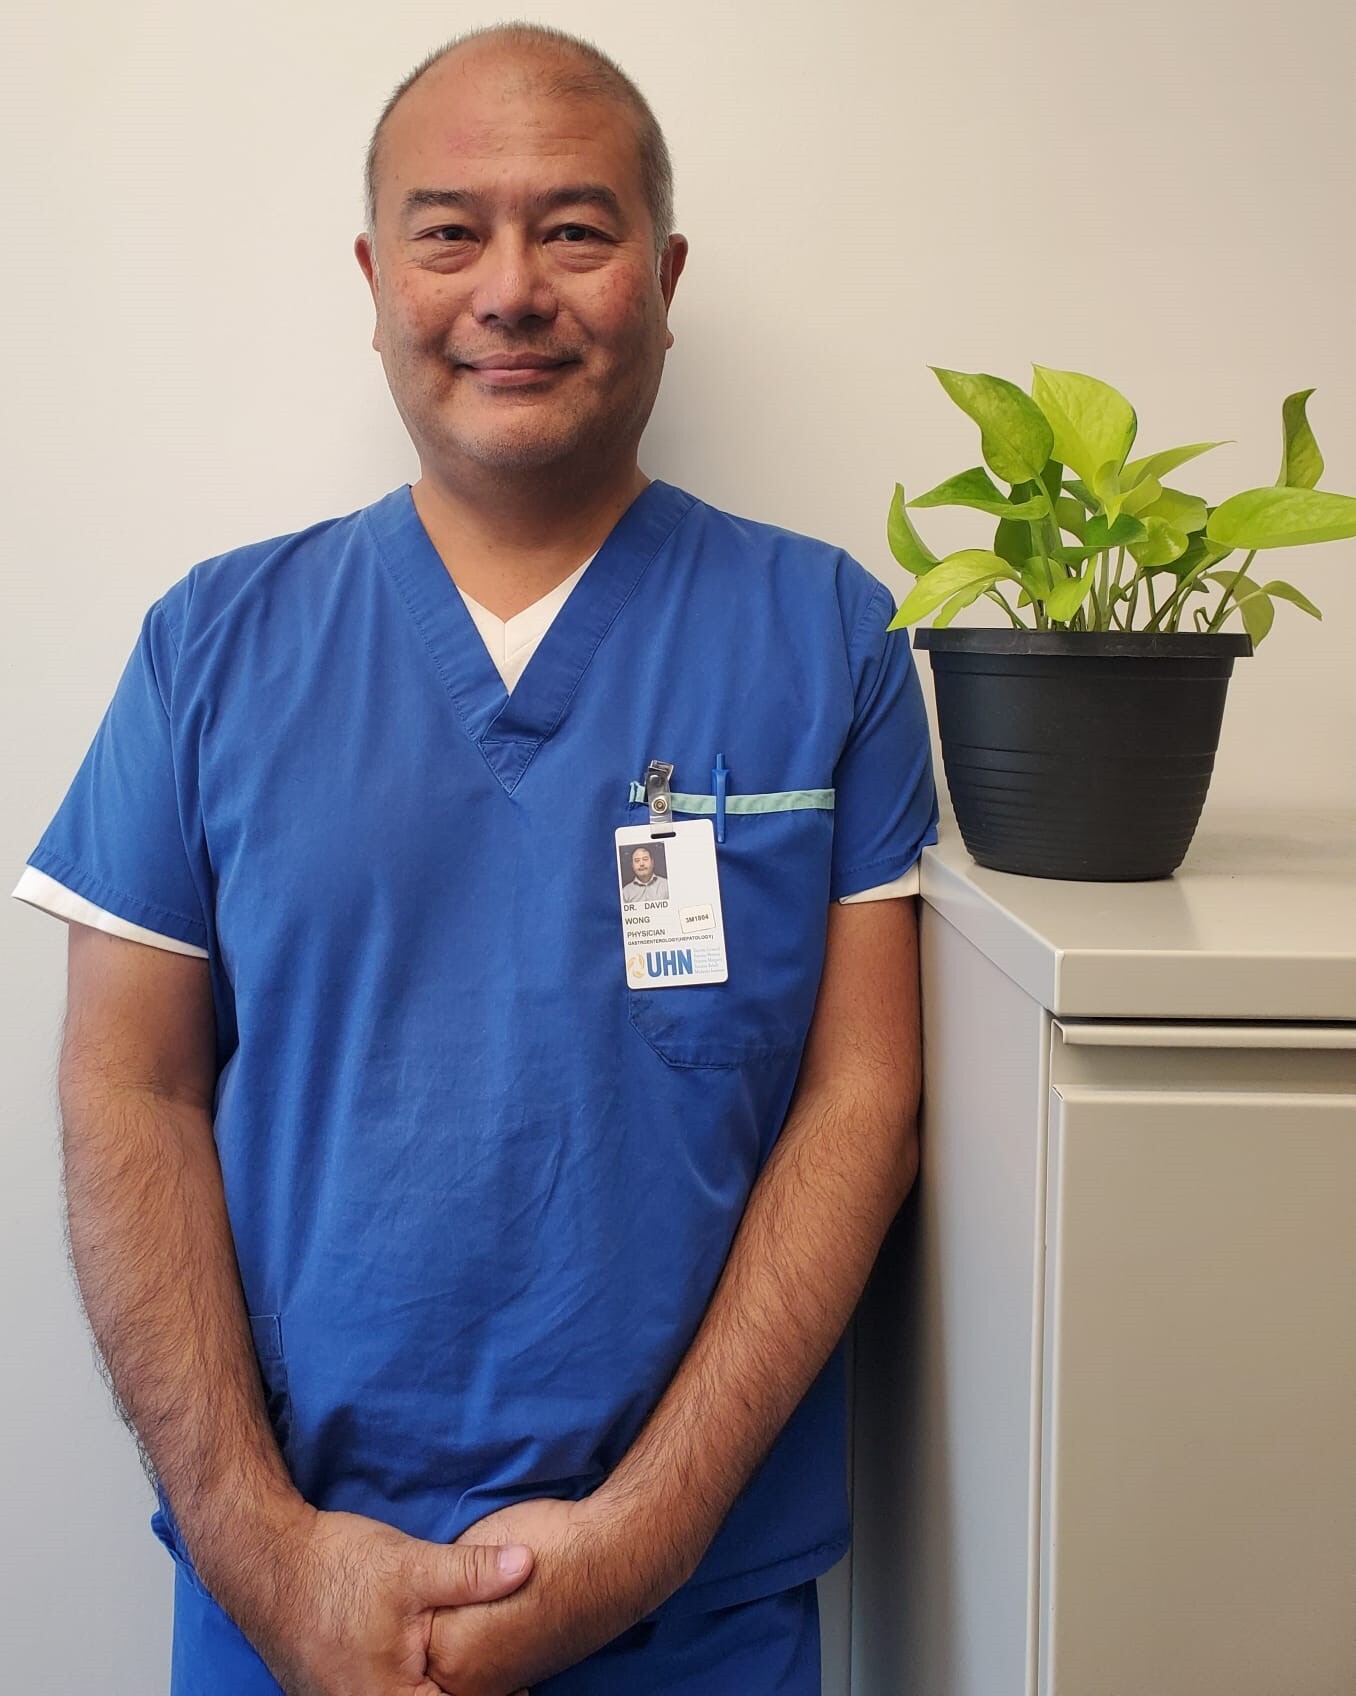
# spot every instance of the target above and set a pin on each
(466, 200)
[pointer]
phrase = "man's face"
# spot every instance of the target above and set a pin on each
(641, 865)
(512, 225)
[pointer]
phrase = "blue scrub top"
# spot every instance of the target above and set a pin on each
(481, 1190)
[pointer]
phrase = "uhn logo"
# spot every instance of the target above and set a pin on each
(669, 963)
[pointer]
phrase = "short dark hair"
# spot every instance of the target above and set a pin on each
(593, 75)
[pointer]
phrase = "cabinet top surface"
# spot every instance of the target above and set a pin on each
(1259, 922)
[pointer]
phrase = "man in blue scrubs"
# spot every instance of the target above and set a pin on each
(409, 1209)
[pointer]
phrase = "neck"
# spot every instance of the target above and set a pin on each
(510, 544)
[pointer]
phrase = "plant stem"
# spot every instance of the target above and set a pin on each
(1116, 587)
(993, 595)
(1038, 550)
(1173, 606)
(1092, 605)
(1223, 610)
(1133, 608)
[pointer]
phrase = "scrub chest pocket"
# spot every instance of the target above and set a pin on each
(774, 869)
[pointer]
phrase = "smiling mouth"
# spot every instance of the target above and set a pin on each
(514, 376)
(514, 370)
(509, 360)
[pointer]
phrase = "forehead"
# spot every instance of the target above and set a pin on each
(490, 121)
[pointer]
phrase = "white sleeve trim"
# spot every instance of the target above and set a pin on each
(49, 896)
(908, 884)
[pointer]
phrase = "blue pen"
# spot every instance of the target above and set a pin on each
(719, 772)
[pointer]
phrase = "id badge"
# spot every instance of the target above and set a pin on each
(672, 930)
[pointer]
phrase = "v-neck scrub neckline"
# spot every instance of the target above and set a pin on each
(509, 728)
(513, 641)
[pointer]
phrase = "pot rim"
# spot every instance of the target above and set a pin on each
(1086, 644)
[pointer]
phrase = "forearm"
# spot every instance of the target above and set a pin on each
(809, 1236)
(156, 1266)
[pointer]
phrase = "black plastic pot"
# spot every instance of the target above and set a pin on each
(1079, 755)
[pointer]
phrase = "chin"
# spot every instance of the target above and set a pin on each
(527, 451)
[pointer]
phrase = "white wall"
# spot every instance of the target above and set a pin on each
(1159, 195)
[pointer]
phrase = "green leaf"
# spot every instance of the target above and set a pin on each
(1159, 464)
(1288, 592)
(1256, 610)
(954, 605)
(1052, 478)
(1103, 534)
(1038, 577)
(1163, 544)
(905, 543)
(1093, 424)
(1012, 541)
(1083, 494)
(1282, 518)
(1075, 556)
(1143, 495)
(1100, 535)
(1070, 516)
(1066, 598)
(1301, 462)
(1253, 603)
(977, 489)
(1015, 437)
(1182, 511)
(948, 577)
(1106, 485)
(1198, 553)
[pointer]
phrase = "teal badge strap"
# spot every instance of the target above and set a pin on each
(781, 801)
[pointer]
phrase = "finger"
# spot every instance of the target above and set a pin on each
(472, 1572)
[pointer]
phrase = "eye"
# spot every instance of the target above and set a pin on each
(578, 232)
(449, 233)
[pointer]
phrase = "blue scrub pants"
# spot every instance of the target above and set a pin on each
(765, 1648)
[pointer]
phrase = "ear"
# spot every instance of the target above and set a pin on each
(365, 254)
(671, 265)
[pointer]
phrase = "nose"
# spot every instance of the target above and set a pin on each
(513, 283)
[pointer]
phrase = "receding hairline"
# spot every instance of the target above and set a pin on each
(563, 65)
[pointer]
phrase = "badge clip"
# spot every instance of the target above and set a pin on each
(657, 796)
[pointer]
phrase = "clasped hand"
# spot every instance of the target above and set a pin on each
(588, 1584)
(341, 1605)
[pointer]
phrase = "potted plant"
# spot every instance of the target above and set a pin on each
(1079, 740)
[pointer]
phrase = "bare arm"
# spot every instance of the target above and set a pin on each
(151, 1242)
(157, 1271)
(844, 1162)
(814, 1224)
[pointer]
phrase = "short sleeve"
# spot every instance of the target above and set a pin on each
(885, 800)
(118, 839)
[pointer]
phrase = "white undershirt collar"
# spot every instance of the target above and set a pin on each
(511, 642)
